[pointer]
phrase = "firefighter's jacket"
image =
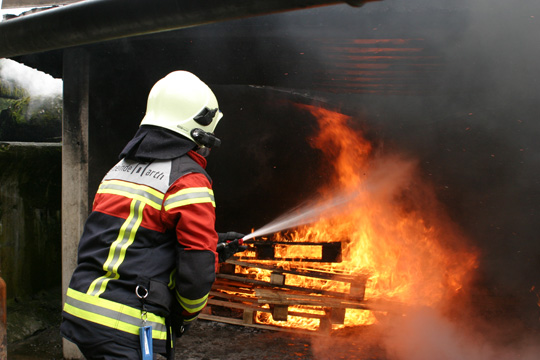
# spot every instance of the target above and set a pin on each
(148, 248)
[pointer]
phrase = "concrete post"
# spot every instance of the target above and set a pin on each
(75, 150)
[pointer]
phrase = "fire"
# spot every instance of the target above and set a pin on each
(537, 293)
(394, 230)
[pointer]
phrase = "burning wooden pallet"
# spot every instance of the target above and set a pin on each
(329, 252)
(238, 297)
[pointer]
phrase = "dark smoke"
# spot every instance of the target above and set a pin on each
(475, 136)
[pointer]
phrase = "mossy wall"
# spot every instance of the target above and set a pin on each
(31, 119)
(30, 217)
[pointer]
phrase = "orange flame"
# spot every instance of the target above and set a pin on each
(394, 230)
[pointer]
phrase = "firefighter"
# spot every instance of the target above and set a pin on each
(147, 256)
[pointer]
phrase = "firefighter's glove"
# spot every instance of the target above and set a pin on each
(183, 329)
(229, 243)
(179, 326)
(229, 236)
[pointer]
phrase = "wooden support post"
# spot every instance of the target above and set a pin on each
(75, 158)
(277, 279)
(280, 312)
(265, 251)
(333, 316)
(331, 252)
(325, 326)
(358, 289)
(226, 268)
(248, 317)
(337, 315)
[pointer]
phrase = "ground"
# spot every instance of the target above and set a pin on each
(33, 334)
(208, 340)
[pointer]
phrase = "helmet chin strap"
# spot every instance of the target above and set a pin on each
(203, 151)
(206, 139)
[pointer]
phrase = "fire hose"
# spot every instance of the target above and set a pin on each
(226, 244)
(229, 244)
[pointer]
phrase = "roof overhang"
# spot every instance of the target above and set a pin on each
(96, 21)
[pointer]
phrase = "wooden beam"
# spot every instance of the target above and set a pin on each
(266, 250)
(280, 297)
(309, 272)
(240, 322)
(232, 305)
(246, 280)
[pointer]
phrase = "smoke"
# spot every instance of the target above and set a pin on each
(476, 140)
(382, 181)
(305, 214)
(424, 334)
(34, 82)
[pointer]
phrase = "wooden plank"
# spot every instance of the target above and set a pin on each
(233, 305)
(234, 297)
(255, 325)
(300, 243)
(222, 319)
(257, 305)
(241, 285)
(315, 273)
(304, 260)
(306, 315)
(222, 284)
(274, 296)
(232, 288)
(290, 287)
(266, 250)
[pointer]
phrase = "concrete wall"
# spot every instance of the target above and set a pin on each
(30, 219)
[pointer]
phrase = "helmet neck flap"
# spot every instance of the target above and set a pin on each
(154, 143)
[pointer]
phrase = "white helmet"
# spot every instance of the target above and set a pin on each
(181, 102)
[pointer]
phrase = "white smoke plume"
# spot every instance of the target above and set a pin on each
(35, 82)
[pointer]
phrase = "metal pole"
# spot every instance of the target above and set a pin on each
(3, 321)
(94, 21)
